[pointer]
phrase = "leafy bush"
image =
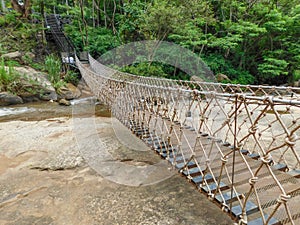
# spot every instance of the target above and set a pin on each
(72, 77)
(53, 67)
(218, 64)
(297, 75)
(145, 69)
(8, 78)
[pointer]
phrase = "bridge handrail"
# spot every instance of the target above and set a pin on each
(194, 91)
(279, 91)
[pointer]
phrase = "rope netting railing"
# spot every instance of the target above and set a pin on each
(253, 90)
(236, 143)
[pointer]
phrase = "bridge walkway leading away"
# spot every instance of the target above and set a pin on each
(238, 149)
(237, 144)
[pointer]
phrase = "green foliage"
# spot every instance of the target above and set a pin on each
(155, 69)
(249, 41)
(53, 67)
(130, 20)
(297, 75)
(161, 19)
(18, 34)
(59, 84)
(219, 64)
(9, 18)
(11, 81)
(273, 67)
(100, 40)
(2, 49)
(72, 77)
(146, 69)
(8, 77)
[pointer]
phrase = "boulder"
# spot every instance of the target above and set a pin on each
(222, 77)
(69, 92)
(9, 99)
(38, 82)
(84, 89)
(64, 102)
(12, 55)
(30, 55)
(197, 79)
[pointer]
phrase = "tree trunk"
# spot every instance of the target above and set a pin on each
(84, 22)
(15, 5)
(104, 9)
(113, 18)
(27, 8)
(24, 10)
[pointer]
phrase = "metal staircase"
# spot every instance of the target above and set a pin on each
(66, 47)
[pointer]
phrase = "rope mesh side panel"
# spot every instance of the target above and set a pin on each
(237, 144)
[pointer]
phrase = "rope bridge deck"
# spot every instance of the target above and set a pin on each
(238, 144)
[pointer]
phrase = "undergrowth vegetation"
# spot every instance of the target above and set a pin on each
(9, 78)
(53, 67)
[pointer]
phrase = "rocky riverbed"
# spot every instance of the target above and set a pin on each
(53, 170)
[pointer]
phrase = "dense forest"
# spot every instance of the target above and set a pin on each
(250, 41)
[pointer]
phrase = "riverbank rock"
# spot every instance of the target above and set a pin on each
(35, 85)
(69, 92)
(222, 78)
(64, 102)
(12, 55)
(45, 180)
(84, 89)
(196, 78)
(9, 99)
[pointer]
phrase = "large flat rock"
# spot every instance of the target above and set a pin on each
(46, 178)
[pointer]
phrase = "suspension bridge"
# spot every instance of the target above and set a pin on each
(237, 144)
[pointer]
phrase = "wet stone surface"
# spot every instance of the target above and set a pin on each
(46, 178)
